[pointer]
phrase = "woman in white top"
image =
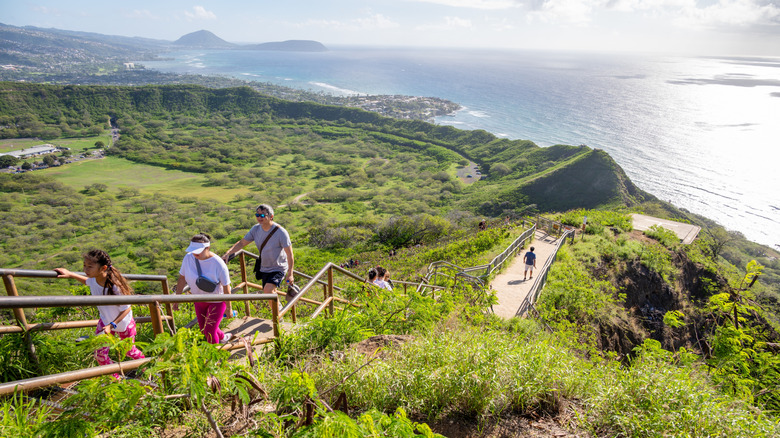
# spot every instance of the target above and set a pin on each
(212, 267)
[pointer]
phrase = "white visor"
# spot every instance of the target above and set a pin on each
(197, 247)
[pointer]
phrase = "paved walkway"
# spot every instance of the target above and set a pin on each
(686, 232)
(509, 285)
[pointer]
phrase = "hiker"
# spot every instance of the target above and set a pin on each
(206, 274)
(530, 262)
(273, 243)
(482, 225)
(382, 278)
(373, 277)
(103, 278)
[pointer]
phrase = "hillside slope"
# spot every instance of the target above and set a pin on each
(592, 180)
(156, 122)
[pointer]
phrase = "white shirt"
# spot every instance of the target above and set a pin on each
(109, 313)
(383, 284)
(213, 268)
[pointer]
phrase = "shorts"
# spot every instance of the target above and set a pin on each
(529, 267)
(272, 277)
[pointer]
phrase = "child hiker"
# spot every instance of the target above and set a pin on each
(104, 279)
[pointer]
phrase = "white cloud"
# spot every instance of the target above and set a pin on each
(730, 13)
(648, 5)
(564, 11)
(449, 23)
(370, 22)
(375, 21)
(472, 4)
(682, 13)
(139, 13)
(48, 11)
(200, 13)
(501, 25)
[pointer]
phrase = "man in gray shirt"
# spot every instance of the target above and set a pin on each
(277, 253)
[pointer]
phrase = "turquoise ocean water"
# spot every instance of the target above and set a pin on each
(703, 133)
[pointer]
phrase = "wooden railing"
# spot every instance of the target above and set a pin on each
(323, 278)
(23, 327)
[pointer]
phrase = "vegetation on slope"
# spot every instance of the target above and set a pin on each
(614, 365)
(618, 289)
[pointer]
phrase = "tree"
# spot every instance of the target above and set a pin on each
(49, 160)
(501, 169)
(99, 144)
(8, 160)
(26, 165)
(717, 239)
(403, 231)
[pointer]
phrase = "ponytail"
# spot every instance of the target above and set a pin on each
(113, 276)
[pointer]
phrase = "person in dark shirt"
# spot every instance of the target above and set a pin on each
(530, 263)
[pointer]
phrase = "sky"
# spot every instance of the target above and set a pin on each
(704, 27)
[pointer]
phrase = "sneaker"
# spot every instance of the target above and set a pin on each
(226, 338)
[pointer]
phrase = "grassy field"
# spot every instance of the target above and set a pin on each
(117, 172)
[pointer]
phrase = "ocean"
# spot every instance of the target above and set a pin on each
(700, 132)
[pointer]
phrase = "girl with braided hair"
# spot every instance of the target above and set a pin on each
(103, 278)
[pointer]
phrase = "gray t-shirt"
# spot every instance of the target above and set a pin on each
(274, 258)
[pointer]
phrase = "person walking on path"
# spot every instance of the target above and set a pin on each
(105, 279)
(275, 247)
(200, 262)
(530, 263)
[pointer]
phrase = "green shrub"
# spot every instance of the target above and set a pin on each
(665, 237)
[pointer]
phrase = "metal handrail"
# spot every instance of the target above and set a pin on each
(541, 280)
(510, 250)
(31, 273)
(110, 300)
(494, 264)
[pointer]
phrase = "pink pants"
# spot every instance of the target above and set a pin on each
(209, 316)
(101, 354)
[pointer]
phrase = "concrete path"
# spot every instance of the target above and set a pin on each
(509, 285)
(686, 232)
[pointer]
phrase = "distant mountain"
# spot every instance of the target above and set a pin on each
(129, 43)
(289, 46)
(204, 39)
(44, 48)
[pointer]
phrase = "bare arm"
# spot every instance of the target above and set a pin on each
(64, 273)
(107, 329)
(179, 288)
(290, 264)
(235, 248)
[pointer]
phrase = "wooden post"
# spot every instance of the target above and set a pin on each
(168, 308)
(154, 312)
(10, 288)
(275, 316)
(330, 290)
(242, 262)
(21, 319)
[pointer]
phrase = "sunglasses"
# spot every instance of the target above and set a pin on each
(260, 215)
